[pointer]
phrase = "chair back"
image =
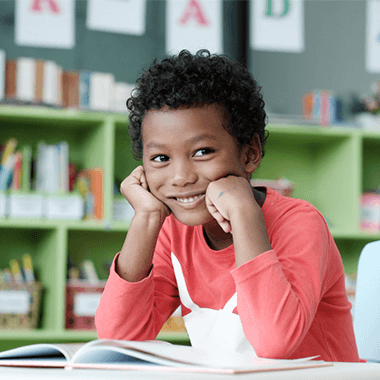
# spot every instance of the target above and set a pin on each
(367, 303)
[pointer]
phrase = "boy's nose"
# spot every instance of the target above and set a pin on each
(183, 174)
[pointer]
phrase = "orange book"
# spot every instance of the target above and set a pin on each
(39, 80)
(307, 105)
(10, 78)
(96, 179)
(70, 89)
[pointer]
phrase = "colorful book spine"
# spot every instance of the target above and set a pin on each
(96, 192)
(39, 80)
(26, 79)
(26, 168)
(17, 171)
(63, 158)
(84, 89)
(10, 78)
(2, 74)
(70, 89)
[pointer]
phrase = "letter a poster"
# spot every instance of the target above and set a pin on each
(277, 25)
(45, 23)
(194, 25)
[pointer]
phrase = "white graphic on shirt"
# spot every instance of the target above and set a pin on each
(211, 329)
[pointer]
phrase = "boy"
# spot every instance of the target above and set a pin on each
(251, 269)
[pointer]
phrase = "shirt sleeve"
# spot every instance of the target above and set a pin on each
(279, 291)
(138, 310)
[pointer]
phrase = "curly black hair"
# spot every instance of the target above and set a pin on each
(186, 80)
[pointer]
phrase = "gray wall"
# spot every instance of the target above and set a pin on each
(122, 55)
(334, 55)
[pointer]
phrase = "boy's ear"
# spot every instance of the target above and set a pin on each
(253, 154)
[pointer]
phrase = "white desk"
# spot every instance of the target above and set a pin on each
(340, 371)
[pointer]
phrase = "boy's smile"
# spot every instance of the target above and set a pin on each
(184, 150)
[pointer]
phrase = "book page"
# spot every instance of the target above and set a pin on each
(43, 351)
(166, 354)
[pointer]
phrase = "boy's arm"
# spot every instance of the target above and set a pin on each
(232, 203)
(135, 260)
(138, 310)
(136, 256)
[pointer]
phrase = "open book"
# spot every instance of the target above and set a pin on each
(147, 355)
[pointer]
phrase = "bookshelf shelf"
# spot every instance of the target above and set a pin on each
(330, 167)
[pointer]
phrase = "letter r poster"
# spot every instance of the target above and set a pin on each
(45, 23)
(194, 25)
(277, 25)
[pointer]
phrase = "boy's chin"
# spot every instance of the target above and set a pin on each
(193, 220)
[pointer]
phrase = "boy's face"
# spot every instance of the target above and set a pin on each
(183, 151)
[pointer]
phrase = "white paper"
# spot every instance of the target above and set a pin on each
(117, 16)
(373, 37)
(85, 304)
(64, 207)
(3, 205)
(194, 25)
(45, 23)
(277, 25)
(14, 302)
(26, 206)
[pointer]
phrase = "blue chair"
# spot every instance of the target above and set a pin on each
(367, 303)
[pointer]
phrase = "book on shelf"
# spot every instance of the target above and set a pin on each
(10, 79)
(146, 355)
(25, 79)
(90, 183)
(2, 74)
(101, 91)
(70, 89)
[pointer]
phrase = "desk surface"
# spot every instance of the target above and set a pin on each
(339, 371)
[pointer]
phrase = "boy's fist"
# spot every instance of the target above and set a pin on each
(228, 198)
(135, 189)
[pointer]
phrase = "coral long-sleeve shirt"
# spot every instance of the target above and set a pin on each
(291, 300)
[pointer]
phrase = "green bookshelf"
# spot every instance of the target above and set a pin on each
(330, 168)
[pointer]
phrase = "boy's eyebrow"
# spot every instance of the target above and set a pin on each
(203, 136)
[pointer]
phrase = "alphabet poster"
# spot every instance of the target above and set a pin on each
(277, 25)
(45, 23)
(194, 25)
(373, 37)
(117, 16)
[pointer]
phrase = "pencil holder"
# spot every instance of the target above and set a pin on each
(20, 305)
(82, 300)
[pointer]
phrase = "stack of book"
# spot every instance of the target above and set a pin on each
(57, 192)
(26, 80)
(322, 107)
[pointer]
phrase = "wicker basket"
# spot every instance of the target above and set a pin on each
(29, 320)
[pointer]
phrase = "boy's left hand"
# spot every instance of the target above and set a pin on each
(228, 198)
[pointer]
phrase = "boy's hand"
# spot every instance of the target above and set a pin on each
(228, 199)
(135, 190)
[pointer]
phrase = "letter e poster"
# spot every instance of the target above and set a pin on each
(194, 25)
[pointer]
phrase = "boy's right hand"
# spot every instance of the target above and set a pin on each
(135, 189)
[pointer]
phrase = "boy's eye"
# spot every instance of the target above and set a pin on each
(160, 158)
(203, 152)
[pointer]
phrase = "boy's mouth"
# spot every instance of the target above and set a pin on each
(190, 199)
